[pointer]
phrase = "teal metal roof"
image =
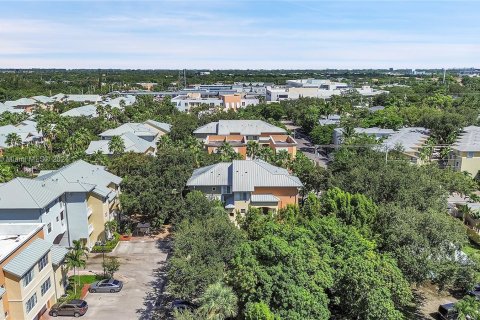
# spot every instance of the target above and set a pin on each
(26, 259)
(58, 254)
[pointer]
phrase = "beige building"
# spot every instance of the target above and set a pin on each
(32, 274)
(244, 183)
(238, 133)
(465, 155)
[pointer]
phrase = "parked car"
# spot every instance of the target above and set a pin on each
(475, 292)
(107, 285)
(181, 305)
(447, 312)
(74, 308)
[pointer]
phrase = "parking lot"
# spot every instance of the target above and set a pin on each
(141, 270)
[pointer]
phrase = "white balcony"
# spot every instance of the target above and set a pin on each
(89, 212)
(90, 229)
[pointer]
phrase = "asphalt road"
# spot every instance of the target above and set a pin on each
(308, 149)
(141, 270)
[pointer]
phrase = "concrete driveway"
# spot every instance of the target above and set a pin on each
(142, 271)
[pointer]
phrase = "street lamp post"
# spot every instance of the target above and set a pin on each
(103, 257)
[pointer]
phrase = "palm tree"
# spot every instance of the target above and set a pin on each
(464, 210)
(218, 302)
(252, 149)
(265, 153)
(76, 258)
(116, 145)
(282, 158)
(13, 139)
(227, 153)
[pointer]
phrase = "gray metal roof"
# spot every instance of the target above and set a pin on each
(243, 175)
(243, 127)
(263, 198)
(213, 175)
(87, 111)
(132, 143)
(468, 140)
(248, 174)
(79, 176)
(22, 193)
(58, 254)
(146, 129)
(26, 259)
(410, 139)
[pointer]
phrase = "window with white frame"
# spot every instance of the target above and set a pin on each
(45, 286)
(27, 278)
(30, 304)
(49, 228)
(43, 262)
(470, 154)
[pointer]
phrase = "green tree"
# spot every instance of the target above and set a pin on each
(111, 265)
(201, 252)
(468, 308)
(13, 139)
(311, 206)
(116, 145)
(76, 258)
(252, 149)
(258, 311)
(426, 245)
(219, 302)
(355, 209)
(227, 153)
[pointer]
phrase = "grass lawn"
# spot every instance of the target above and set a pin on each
(80, 281)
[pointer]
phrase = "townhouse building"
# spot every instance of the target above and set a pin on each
(243, 183)
(409, 141)
(465, 154)
(377, 133)
(32, 271)
(185, 102)
(239, 132)
(73, 203)
(137, 137)
(25, 130)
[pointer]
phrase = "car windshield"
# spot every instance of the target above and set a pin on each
(116, 282)
(83, 304)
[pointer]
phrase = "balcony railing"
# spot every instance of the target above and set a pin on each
(89, 212)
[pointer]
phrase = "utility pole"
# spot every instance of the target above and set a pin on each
(444, 73)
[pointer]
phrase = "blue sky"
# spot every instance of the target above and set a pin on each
(239, 34)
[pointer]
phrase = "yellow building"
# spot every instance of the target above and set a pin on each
(32, 274)
(465, 155)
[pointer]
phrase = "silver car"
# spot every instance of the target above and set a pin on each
(107, 285)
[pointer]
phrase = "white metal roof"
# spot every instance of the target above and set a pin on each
(410, 139)
(14, 235)
(468, 140)
(132, 143)
(243, 176)
(263, 198)
(243, 127)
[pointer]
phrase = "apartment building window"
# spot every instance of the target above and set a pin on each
(45, 286)
(242, 196)
(27, 278)
(30, 304)
(470, 154)
(43, 262)
(49, 228)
